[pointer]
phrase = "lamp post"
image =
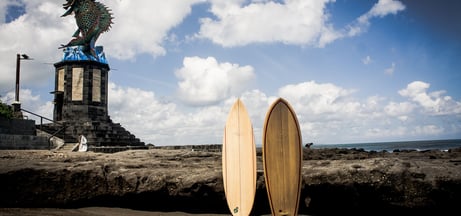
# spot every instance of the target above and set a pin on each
(16, 103)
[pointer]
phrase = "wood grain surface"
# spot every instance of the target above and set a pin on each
(282, 158)
(239, 161)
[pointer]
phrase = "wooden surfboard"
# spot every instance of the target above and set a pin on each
(239, 161)
(282, 158)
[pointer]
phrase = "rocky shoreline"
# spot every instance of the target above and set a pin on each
(349, 181)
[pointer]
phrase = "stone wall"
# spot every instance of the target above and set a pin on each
(17, 126)
(20, 134)
(23, 142)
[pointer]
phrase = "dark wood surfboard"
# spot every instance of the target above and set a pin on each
(239, 161)
(282, 158)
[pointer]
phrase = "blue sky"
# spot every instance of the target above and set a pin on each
(354, 71)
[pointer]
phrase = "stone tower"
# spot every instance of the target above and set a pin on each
(81, 100)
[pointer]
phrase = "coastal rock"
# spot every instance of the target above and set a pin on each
(345, 180)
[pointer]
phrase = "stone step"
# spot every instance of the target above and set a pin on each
(68, 147)
(100, 134)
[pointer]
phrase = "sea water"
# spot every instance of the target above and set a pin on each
(442, 145)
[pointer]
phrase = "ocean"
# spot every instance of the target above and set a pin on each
(423, 145)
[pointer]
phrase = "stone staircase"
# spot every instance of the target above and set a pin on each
(52, 130)
(96, 132)
(68, 147)
(103, 134)
(58, 144)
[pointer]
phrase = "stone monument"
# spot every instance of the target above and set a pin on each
(81, 81)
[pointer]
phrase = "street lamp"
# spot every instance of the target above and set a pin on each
(16, 103)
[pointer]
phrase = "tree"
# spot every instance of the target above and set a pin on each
(5, 110)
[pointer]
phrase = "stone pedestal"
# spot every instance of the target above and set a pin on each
(81, 99)
(81, 91)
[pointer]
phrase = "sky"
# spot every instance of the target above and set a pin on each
(353, 71)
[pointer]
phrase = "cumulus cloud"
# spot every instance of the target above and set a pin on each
(235, 23)
(162, 122)
(383, 8)
(433, 102)
(41, 30)
(399, 109)
(327, 113)
(325, 108)
(380, 9)
(3, 9)
(204, 81)
(36, 33)
(291, 22)
(386, 132)
(428, 130)
(142, 113)
(315, 98)
(31, 102)
(134, 31)
(167, 124)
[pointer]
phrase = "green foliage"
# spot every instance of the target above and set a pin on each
(5, 110)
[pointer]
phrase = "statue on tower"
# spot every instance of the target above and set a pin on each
(93, 18)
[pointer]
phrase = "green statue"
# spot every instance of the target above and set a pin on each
(93, 18)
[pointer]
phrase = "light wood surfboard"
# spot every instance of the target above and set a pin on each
(282, 158)
(239, 161)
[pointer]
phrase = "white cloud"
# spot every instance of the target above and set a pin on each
(385, 7)
(433, 102)
(380, 9)
(403, 118)
(426, 130)
(206, 81)
(385, 133)
(327, 113)
(32, 103)
(390, 70)
(3, 8)
(290, 22)
(313, 98)
(295, 22)
(141, 26)
(398, 109)
(141, 113)
(367, 60)
(328, 34)
(162, 122)
(374, 102)
(41, 30)
(37, 33)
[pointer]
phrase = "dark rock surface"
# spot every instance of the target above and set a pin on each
(334, 180)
